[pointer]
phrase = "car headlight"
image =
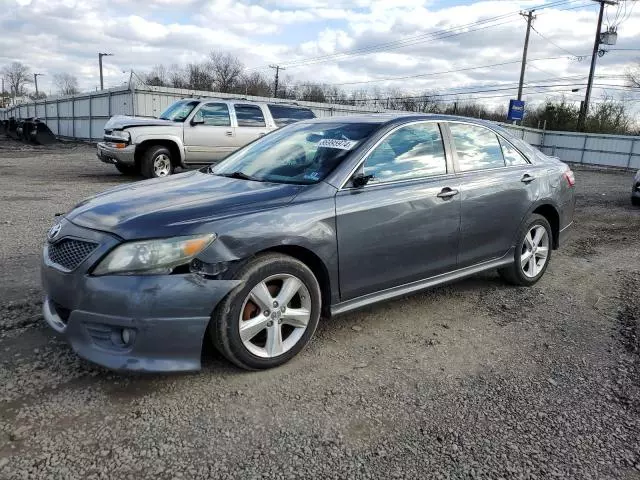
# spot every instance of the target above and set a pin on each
(149, 257)
(120, 135)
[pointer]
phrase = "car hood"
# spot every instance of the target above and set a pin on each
(118, 122)
(176, 205)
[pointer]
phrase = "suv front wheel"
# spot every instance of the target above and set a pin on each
(156, 162)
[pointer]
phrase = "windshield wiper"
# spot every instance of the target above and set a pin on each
(238, 174)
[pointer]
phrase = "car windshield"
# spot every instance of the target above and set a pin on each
(301, 153)
(179, 111)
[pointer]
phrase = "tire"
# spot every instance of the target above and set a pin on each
(519, 273)
(151, 159)
(635, 201)
(127, 169)
(253, 349)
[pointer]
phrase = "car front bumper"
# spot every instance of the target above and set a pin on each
(108, 153)
(166, 315)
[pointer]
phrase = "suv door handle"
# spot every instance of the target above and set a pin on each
(526, 178)
(447, 192)
(229, 133)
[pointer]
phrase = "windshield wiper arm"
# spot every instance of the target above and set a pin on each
(238, 174)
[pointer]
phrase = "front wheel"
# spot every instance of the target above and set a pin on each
(532, 255)
(271, 317)
(156, 162)
(635, 201)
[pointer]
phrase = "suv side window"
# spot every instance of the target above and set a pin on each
(214, 114)
(478, 147)
(511, 155)
(249, 116)
(284, 114)
(412, 151)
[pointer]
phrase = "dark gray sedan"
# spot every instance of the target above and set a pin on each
(319, 218)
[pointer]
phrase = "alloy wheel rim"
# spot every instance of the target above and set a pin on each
(275, 315)
(162, 165)
(535, 251)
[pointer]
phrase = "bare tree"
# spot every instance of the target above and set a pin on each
(66, 83)
(197, 77)
(17, 76)
(254, 84)
(226, 70)
(157, 77)
(176, 76)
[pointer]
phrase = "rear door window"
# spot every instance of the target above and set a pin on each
(478, 147)
(284, 114)
(249, 116)
(511, 155)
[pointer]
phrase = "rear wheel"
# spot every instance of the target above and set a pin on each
(156, 162)
(271, 317)
(532, 255)
(127, 169)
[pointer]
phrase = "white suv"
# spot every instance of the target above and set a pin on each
(190, 132)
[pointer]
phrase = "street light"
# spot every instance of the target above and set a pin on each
(100, 55)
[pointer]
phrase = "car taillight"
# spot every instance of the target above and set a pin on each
(570, 177)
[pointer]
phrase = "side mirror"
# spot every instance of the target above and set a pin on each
(197, 120)
(360, 180)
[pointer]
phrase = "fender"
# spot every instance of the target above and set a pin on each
(172, 138)
(534, 206)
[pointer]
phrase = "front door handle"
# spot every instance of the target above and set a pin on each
(526, 178)
(447, 192)
(229, 133)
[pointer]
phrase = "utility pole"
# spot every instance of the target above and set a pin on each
(35, 80)
(594, 56)
(275, 88)
(100, 55)
(530, 18)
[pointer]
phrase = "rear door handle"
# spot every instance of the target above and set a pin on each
(229, 133)
(526, 178)
(447, 192)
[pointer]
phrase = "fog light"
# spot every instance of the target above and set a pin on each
(209, 269)
(127, 336)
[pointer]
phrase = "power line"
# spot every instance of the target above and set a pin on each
(409, 41)
(449, 94)
(431, 74)
(403, 44)
(580, 58)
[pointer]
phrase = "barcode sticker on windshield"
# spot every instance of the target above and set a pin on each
(341, 144)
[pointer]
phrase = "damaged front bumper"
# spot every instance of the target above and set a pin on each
(152, 323)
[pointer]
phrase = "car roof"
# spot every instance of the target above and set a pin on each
(397, 118)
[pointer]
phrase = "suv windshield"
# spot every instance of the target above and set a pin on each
(302, 153)
(179, 111)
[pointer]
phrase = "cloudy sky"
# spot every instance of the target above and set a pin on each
(404, 44)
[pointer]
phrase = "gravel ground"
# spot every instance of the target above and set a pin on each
(473, 380)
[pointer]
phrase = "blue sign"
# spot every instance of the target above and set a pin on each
(516, 110)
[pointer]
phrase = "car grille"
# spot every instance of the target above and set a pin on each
(69, 253)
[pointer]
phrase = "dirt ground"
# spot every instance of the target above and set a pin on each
(473, 380)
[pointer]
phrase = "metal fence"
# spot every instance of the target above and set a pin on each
(586, 148)
(83, 116)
